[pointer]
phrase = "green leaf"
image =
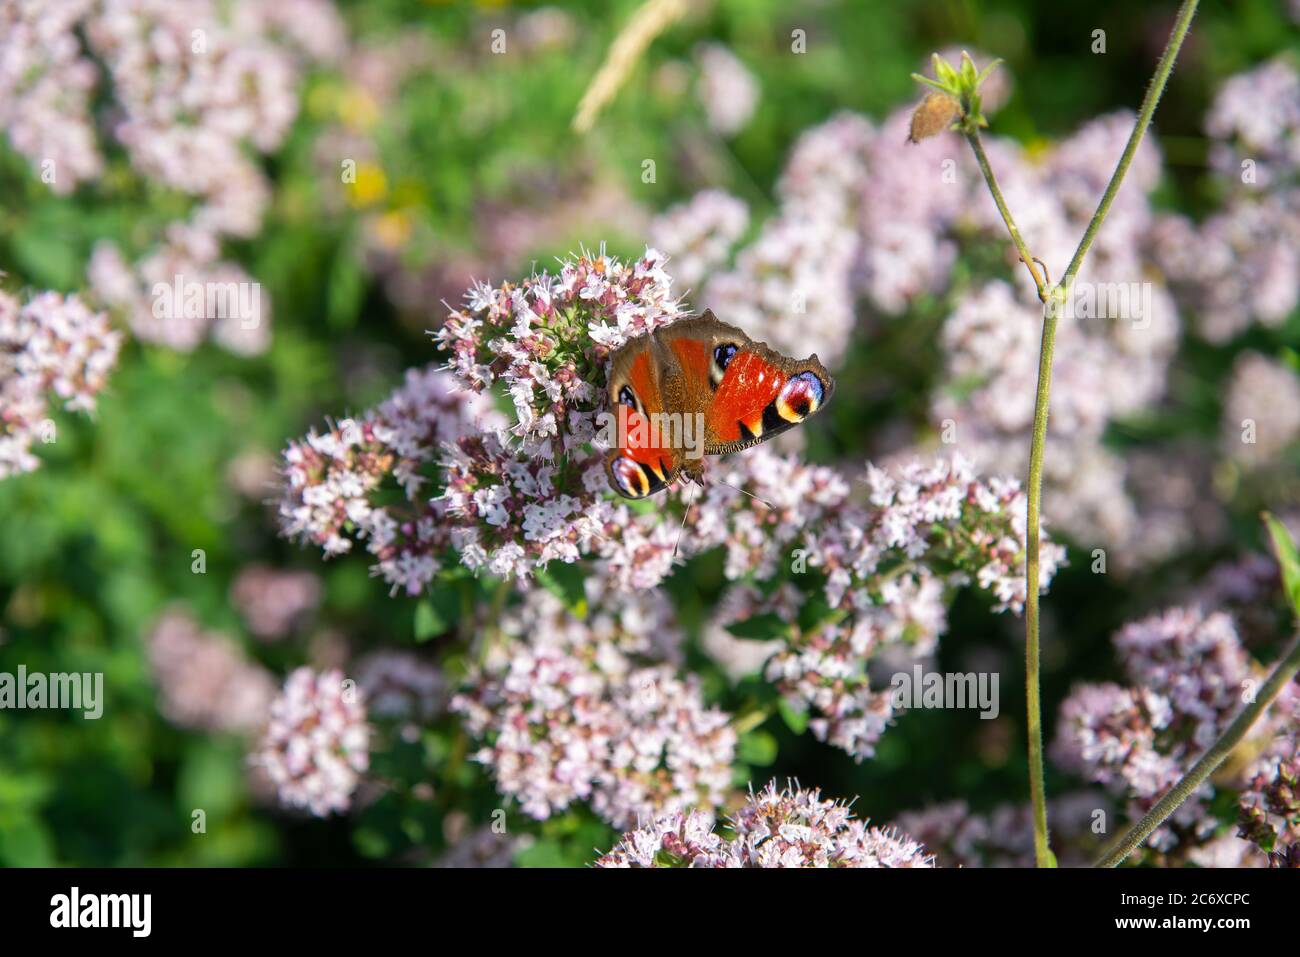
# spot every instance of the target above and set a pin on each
(968, 74)
(1287, 558)
(984, 74)
(757, 748)
(816, 611)
(369, 842)
(796, 719)
(764, 627)
(428, 623)
(438, 612)
(566, 582)
(544, 853)
(929, 82)
(944, 73)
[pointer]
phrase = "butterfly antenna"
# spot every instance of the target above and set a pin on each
(764, 501)
(681, 531)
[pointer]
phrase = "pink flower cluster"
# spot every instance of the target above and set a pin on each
(1255, 117)
(1261, 411)
(545, 340)
(46, 85)
(569, 715)
(191, 81)
(317, 743)
(727, 89)
(193, 88)
(881, 590)
(52, 349)
(507, 506)
(1189, 678)
(1269, 807)
(332, 481)
(1241, 266)
(791, 827)
(698, 235)
(204, 681)
(273, 601)
(193, 255)
(512, 512)
(791, 287)
(1004, 836)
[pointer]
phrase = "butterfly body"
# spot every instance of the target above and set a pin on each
(701, 387)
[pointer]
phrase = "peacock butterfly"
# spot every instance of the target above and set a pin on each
(701, 387)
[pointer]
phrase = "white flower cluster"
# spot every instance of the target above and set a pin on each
(1261, 413)
(330, 478)
(317, 742)
(1189, 677)
(52, 349)
(791, 827)
(567, 713)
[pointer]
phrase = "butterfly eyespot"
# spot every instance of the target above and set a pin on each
(633, 479)
(626, 397)
(722, 356)
(629, 477)
(800, 397)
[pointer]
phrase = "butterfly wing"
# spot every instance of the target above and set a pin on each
(643, 462)
(747, 391)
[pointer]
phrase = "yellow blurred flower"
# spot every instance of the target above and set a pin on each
(357, 108)
(392, 229)
(370, 186)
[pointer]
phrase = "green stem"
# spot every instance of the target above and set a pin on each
(1286, 670)
(1033, 702)
(1042, 854)
(973, 137)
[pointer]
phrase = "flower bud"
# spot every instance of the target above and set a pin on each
(935, 114)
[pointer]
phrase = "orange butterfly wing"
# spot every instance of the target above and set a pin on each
(643, 463)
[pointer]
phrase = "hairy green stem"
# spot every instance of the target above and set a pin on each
(1042, 855)
(1033, 702)
(1284, 671)
(972, 135)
